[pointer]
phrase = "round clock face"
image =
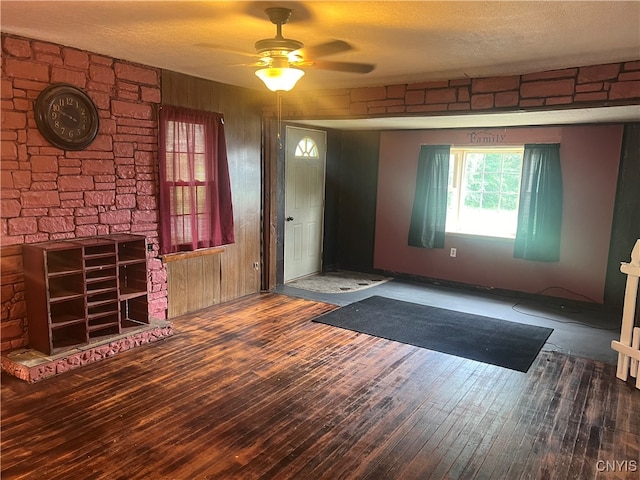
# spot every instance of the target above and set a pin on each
(66, 117)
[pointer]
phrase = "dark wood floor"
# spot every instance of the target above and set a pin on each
(253, 389)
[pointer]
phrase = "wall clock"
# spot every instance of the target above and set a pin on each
(66, 116)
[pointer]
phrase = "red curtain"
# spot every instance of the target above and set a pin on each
(195, 191)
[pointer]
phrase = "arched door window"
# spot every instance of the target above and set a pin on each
(306, 148)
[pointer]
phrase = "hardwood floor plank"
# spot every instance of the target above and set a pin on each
(391, 410)
(432, 461)
(585, 448)
(561, 422)
(480, 422)
(369, 456)
(253, 389)
(508, 442)
(355, 397)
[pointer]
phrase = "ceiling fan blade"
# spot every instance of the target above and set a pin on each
(325, 49)
(349, 67)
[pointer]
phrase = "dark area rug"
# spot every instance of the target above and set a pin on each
(498, 342)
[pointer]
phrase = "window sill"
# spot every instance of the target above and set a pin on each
(174, 257)
(479, 236)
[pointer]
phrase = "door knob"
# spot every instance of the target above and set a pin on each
(289, 219)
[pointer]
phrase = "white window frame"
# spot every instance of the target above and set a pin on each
(457, 167)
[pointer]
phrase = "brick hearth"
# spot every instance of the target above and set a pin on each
(33, 366)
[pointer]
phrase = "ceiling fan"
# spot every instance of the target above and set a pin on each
(281, 59)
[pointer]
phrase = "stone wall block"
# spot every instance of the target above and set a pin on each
(598, 73)
(549, 88)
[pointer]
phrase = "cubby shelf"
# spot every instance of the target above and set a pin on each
(83, 289)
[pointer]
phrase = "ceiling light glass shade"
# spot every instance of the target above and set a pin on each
(280, 78)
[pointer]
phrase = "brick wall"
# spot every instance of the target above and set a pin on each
(590, 86)
(48, 193)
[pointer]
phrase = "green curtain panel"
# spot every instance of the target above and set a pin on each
(429, 213)
(540, 211)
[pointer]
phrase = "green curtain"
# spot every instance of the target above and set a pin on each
(540, 210)
(429, 213)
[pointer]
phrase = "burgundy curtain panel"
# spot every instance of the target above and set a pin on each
(195, 191)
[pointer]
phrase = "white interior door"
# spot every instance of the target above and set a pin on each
(305, 158)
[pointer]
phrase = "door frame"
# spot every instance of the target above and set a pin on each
(321, 137)
(273, 200)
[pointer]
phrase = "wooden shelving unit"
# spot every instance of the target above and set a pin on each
(84, 289)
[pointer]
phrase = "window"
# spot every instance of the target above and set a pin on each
(187, 179)
(195, 193)
(484, 188)
(306, 148)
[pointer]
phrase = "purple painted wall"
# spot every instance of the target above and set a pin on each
(590, 157)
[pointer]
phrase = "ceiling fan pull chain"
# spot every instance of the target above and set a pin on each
(279, 117)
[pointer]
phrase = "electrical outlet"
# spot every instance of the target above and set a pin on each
(453, 252)
(256, 265)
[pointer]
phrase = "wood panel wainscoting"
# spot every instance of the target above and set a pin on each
(252, 389)
(193, 280)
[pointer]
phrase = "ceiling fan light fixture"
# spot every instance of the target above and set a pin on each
(280, 79)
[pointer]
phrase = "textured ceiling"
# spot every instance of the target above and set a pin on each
(407, 41)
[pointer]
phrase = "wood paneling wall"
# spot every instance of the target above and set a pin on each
(358, 183)
(195, 283)
(332, 200)
(626, 216)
